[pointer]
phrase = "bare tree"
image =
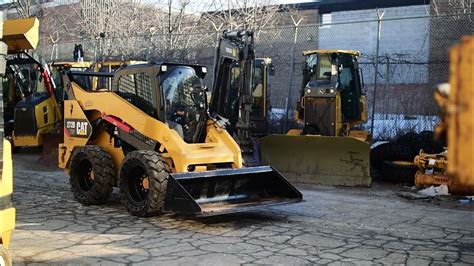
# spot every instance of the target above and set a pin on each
(23, 7)
(441, 7)
(258, 15)
(125, 28)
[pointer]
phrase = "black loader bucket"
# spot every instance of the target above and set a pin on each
(228, 190)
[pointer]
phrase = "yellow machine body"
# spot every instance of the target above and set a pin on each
(327, 150)
(45, 119)
(460, 117)
(7, 211)
(457, 112)
(218, 148)
(21, 34)
(72, 64)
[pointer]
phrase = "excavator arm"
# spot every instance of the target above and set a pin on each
(235, 48)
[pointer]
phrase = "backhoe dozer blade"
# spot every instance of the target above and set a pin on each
(228, 190)
(335, 161)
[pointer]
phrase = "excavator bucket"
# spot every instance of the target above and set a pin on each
(335, 161)
(228, 191)
(21, 34)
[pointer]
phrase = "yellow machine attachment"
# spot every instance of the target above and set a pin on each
(152, 136)
(431, 169)
(327, 150)
(21, 34)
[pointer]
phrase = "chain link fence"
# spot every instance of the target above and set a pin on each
(399, 77)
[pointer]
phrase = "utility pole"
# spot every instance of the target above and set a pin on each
(379, 25)
(290, 80)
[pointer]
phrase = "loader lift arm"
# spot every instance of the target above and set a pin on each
(235, 47)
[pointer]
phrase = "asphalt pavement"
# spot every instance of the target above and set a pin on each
(332, 226)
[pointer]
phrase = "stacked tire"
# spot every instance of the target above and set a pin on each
(394, 160)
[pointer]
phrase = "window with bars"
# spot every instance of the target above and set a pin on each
(137, 89)
(325, 20)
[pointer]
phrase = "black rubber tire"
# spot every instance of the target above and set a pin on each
(86, 161)
(138, 199)
(5, 255)
(399, 172)
(391, 151)
(424, 140)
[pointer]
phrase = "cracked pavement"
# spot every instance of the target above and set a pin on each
(332, 225)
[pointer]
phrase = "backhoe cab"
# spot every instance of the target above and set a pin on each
(331, 100)
(152, 136)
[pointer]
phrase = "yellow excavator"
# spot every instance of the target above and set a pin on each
(240, 91)
(152, 136)
(327, 149)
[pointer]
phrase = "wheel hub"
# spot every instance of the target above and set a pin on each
(145, 183)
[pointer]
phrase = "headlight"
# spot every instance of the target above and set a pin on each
(204, 70)
(164, 68)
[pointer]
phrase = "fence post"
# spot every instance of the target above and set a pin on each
(379, 25)
(290, 80)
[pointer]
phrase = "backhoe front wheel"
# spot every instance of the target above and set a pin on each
(143, 182)
(91, 175)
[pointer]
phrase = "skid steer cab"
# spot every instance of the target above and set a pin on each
(151, 135)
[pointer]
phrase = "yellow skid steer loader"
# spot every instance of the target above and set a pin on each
(152, 136)
(327, 150)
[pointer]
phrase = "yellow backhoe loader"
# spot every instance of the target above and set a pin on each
(327, 150)
(152, 136)
(31, 110)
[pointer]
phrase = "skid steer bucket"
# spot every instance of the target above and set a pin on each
(335, 161)
(228, 191)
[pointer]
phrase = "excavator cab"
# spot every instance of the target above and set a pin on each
(261, 82)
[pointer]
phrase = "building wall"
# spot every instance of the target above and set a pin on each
(445, 34)
(400, 40)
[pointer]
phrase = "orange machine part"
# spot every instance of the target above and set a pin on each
(461, 118)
